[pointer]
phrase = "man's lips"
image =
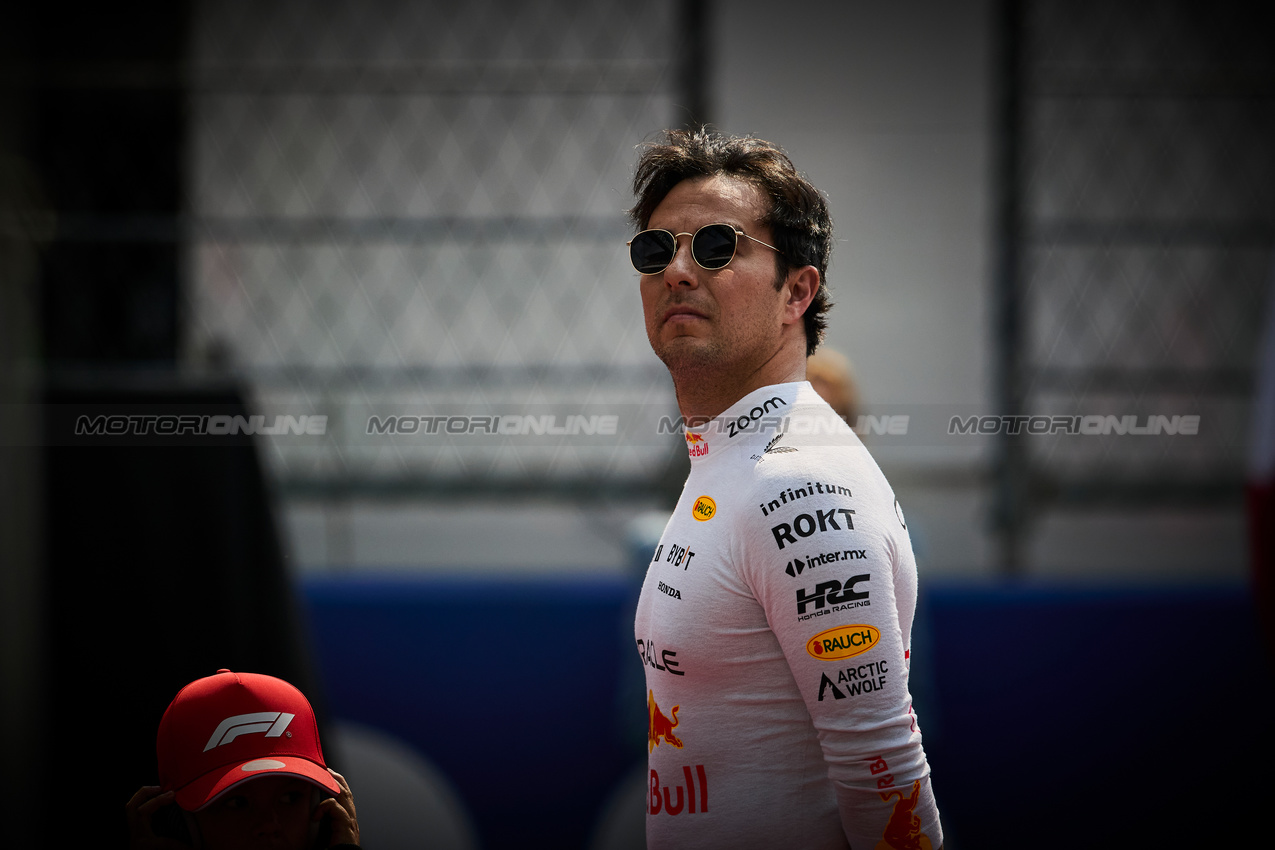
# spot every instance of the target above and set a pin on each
(682, 313)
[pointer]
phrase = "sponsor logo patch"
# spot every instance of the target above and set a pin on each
(804, 525)
(832, 592)
(704, 509)
(661, 800)
(843, 642)
(273, 723)
(678, 556)
(748, 421)
(665, 659)
(660, 726)
(852, 681)
(903, 830)
(772, 448)
(796, 565)
(791, 494)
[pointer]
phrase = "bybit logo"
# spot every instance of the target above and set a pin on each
(273, 723)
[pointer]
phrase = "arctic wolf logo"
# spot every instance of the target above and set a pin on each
(660, 726)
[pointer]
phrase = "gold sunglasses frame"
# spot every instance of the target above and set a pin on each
(677, 247)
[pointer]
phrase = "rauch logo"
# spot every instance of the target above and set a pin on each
(704, 510)
(843, 642)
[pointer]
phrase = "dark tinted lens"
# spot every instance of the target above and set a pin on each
(714, 245)
(651, 251)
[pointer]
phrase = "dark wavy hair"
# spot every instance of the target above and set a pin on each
(798, 217)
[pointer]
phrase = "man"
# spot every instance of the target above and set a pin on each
(775, 617)
(240, 766)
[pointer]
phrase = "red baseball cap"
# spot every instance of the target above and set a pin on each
(231, 727)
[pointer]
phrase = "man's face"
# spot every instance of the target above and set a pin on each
(269, 812)
(725, 322)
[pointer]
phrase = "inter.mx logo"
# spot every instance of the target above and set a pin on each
(273, 723)
(796, 565)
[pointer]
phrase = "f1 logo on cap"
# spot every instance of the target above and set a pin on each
(271, 722)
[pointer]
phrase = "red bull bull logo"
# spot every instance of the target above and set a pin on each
(843, 642)
(660, 727)
(696, 445)
(704, 509)
(903, 830)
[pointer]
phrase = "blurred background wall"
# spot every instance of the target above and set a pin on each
(396, 221)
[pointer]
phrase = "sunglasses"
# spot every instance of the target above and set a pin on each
(713, 247)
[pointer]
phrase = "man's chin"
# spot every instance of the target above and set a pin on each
(688, 354)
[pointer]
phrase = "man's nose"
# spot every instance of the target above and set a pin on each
(682, 270)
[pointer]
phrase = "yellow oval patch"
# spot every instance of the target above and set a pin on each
(843, 642)
(704, 509)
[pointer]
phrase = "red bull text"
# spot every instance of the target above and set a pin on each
(696, 793)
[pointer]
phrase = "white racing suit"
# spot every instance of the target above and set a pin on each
(775, 625)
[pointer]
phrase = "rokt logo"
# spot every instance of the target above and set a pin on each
(273, 723)
(704, 509)
(843, 642)
(806, 525)
(660, 727)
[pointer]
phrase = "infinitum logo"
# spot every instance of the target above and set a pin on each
(273, 723)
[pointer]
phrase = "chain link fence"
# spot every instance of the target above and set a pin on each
(416, 209)
(1139, 223)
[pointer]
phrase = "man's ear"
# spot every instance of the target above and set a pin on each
(801, 285)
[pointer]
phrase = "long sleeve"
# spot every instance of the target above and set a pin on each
(774, 625)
